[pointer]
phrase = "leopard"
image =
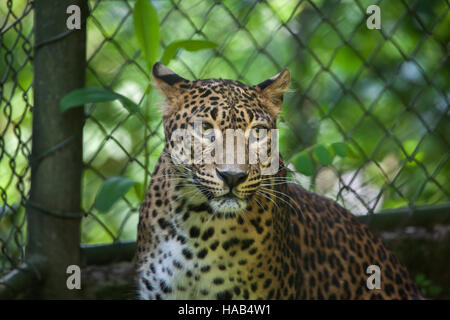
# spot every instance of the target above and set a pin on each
(224, 230)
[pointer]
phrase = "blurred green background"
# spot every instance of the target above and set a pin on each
(385, 93)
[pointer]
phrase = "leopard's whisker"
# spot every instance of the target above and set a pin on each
(285, 201)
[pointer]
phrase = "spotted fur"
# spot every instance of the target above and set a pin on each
(268, 239)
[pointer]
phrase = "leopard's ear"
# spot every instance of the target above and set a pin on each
(273, 90)
(164, 76)
(168, 82)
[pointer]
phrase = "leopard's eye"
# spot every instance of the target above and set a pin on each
(259, 132)
(206, 126)
(207, 131)
(202, 127)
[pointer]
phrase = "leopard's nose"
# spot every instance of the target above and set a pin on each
(232, 178)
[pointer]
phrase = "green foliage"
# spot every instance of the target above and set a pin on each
(322, 155)
(188, 45)
(339, 149)
(146, 28)
(82, 96)
(303, 161)
(112, 190)
(428, 289)
(147, 32)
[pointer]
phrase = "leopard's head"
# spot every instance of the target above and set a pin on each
(219, 135)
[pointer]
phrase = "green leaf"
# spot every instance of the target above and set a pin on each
(79, 97)
(146, 28)
(189, 45)
(420, 277)
(435, 290)
(322, 155)
(339, 149)
(112, 190)
(353, 152)
(426, 283)
(140, 191)
(302, 162)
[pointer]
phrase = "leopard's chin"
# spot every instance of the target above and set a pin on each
(227, 204)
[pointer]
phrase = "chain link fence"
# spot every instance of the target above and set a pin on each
(383, 92)
(16, 100)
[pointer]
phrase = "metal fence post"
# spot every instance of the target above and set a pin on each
(53, 211)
